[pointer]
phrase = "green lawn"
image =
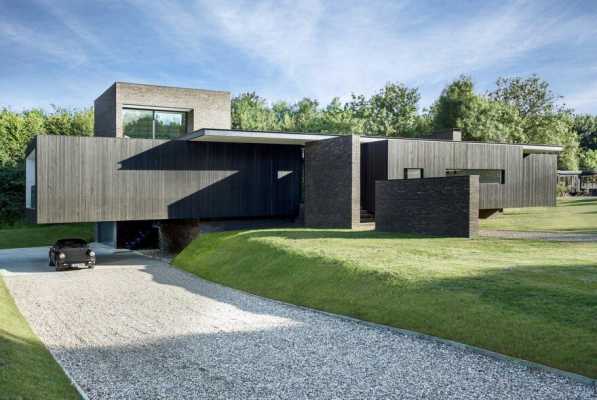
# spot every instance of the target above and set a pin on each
(42, 235)
(571, 215)
(27, 369)
(528, 299)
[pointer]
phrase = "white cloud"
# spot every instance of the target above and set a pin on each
(50, 47)
(585, 99)
(322, 49)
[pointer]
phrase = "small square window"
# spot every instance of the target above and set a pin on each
(413, 173)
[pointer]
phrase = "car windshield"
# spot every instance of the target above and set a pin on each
(71, 243)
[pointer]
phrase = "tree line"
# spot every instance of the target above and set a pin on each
(517, 110)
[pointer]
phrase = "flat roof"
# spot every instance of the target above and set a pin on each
(300, 138)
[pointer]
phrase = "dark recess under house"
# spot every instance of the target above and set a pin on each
(164, 164)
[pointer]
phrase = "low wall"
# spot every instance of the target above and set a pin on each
(430, 206)
(332, 183)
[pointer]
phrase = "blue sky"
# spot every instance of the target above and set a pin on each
(67, 52)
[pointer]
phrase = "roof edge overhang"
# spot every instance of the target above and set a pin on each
(300, 139)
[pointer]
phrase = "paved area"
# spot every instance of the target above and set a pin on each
(136, 328)
(536, 235)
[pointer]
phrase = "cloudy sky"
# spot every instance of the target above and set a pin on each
(67, 52)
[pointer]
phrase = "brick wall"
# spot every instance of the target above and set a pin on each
(332, 183)
(205, 108)
(430, 206)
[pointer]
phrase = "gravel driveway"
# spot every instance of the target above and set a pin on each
(137, 328)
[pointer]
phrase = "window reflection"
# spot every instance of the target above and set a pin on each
(169, 125)
(153, 124)
(138, 123)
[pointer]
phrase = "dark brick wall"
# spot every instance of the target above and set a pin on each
(332, 183)
(430, 206)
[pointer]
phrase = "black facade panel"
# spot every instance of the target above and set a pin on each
(111, 179)
(527, 180)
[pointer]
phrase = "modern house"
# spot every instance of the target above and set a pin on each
(164, 156)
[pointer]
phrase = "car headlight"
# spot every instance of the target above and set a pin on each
(91, 253)
(61, 256)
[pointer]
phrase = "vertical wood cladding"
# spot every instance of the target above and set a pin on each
(527, 182)
(429, 206)
(332, 182)
(540, 177)
(109, 179)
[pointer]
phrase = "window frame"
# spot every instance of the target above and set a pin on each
(154, 110)
(422, 171)
(501, 171)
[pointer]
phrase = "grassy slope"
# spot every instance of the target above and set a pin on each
(571, 215)
(42, 235)
(27, 370)
(529, 299)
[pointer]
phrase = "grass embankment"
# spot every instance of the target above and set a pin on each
(42, 235)
(528, 299)
(571, 215)
(27, 369)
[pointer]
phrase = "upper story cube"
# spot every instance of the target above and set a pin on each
(158, 112)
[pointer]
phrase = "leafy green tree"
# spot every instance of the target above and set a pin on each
(519, 111)
(588, 159)
(585, 127)
(480, 118)
(390, 112)
(250, 112)
(530, 96)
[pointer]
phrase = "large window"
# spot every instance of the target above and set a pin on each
(153, 124)
(485, 175)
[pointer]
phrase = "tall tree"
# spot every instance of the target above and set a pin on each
(390, 112)
(250, 112)
(480, 118)
(530, 96)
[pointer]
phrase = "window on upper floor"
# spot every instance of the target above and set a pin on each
(485, 175)
(153, 124)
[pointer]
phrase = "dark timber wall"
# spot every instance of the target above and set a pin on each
(429, 206)
(332, 182)
(529, 180)
(110, 179)
(540, 177)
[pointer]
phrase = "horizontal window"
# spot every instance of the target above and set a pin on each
(485, 175)
(413, 173)
(153, 124)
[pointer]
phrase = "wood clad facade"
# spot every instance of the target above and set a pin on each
(529, 180)
(82, 179)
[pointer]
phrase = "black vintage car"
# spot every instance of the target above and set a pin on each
(71, 253)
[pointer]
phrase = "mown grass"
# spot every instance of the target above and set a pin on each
(574, 215)
(42, 235)
(27, 369)
(528, 299)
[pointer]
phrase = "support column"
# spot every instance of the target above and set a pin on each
(333, 182)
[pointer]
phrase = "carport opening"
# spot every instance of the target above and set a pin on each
(137, 235)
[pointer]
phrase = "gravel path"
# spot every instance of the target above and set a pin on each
(536, 235)
(141, 329)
